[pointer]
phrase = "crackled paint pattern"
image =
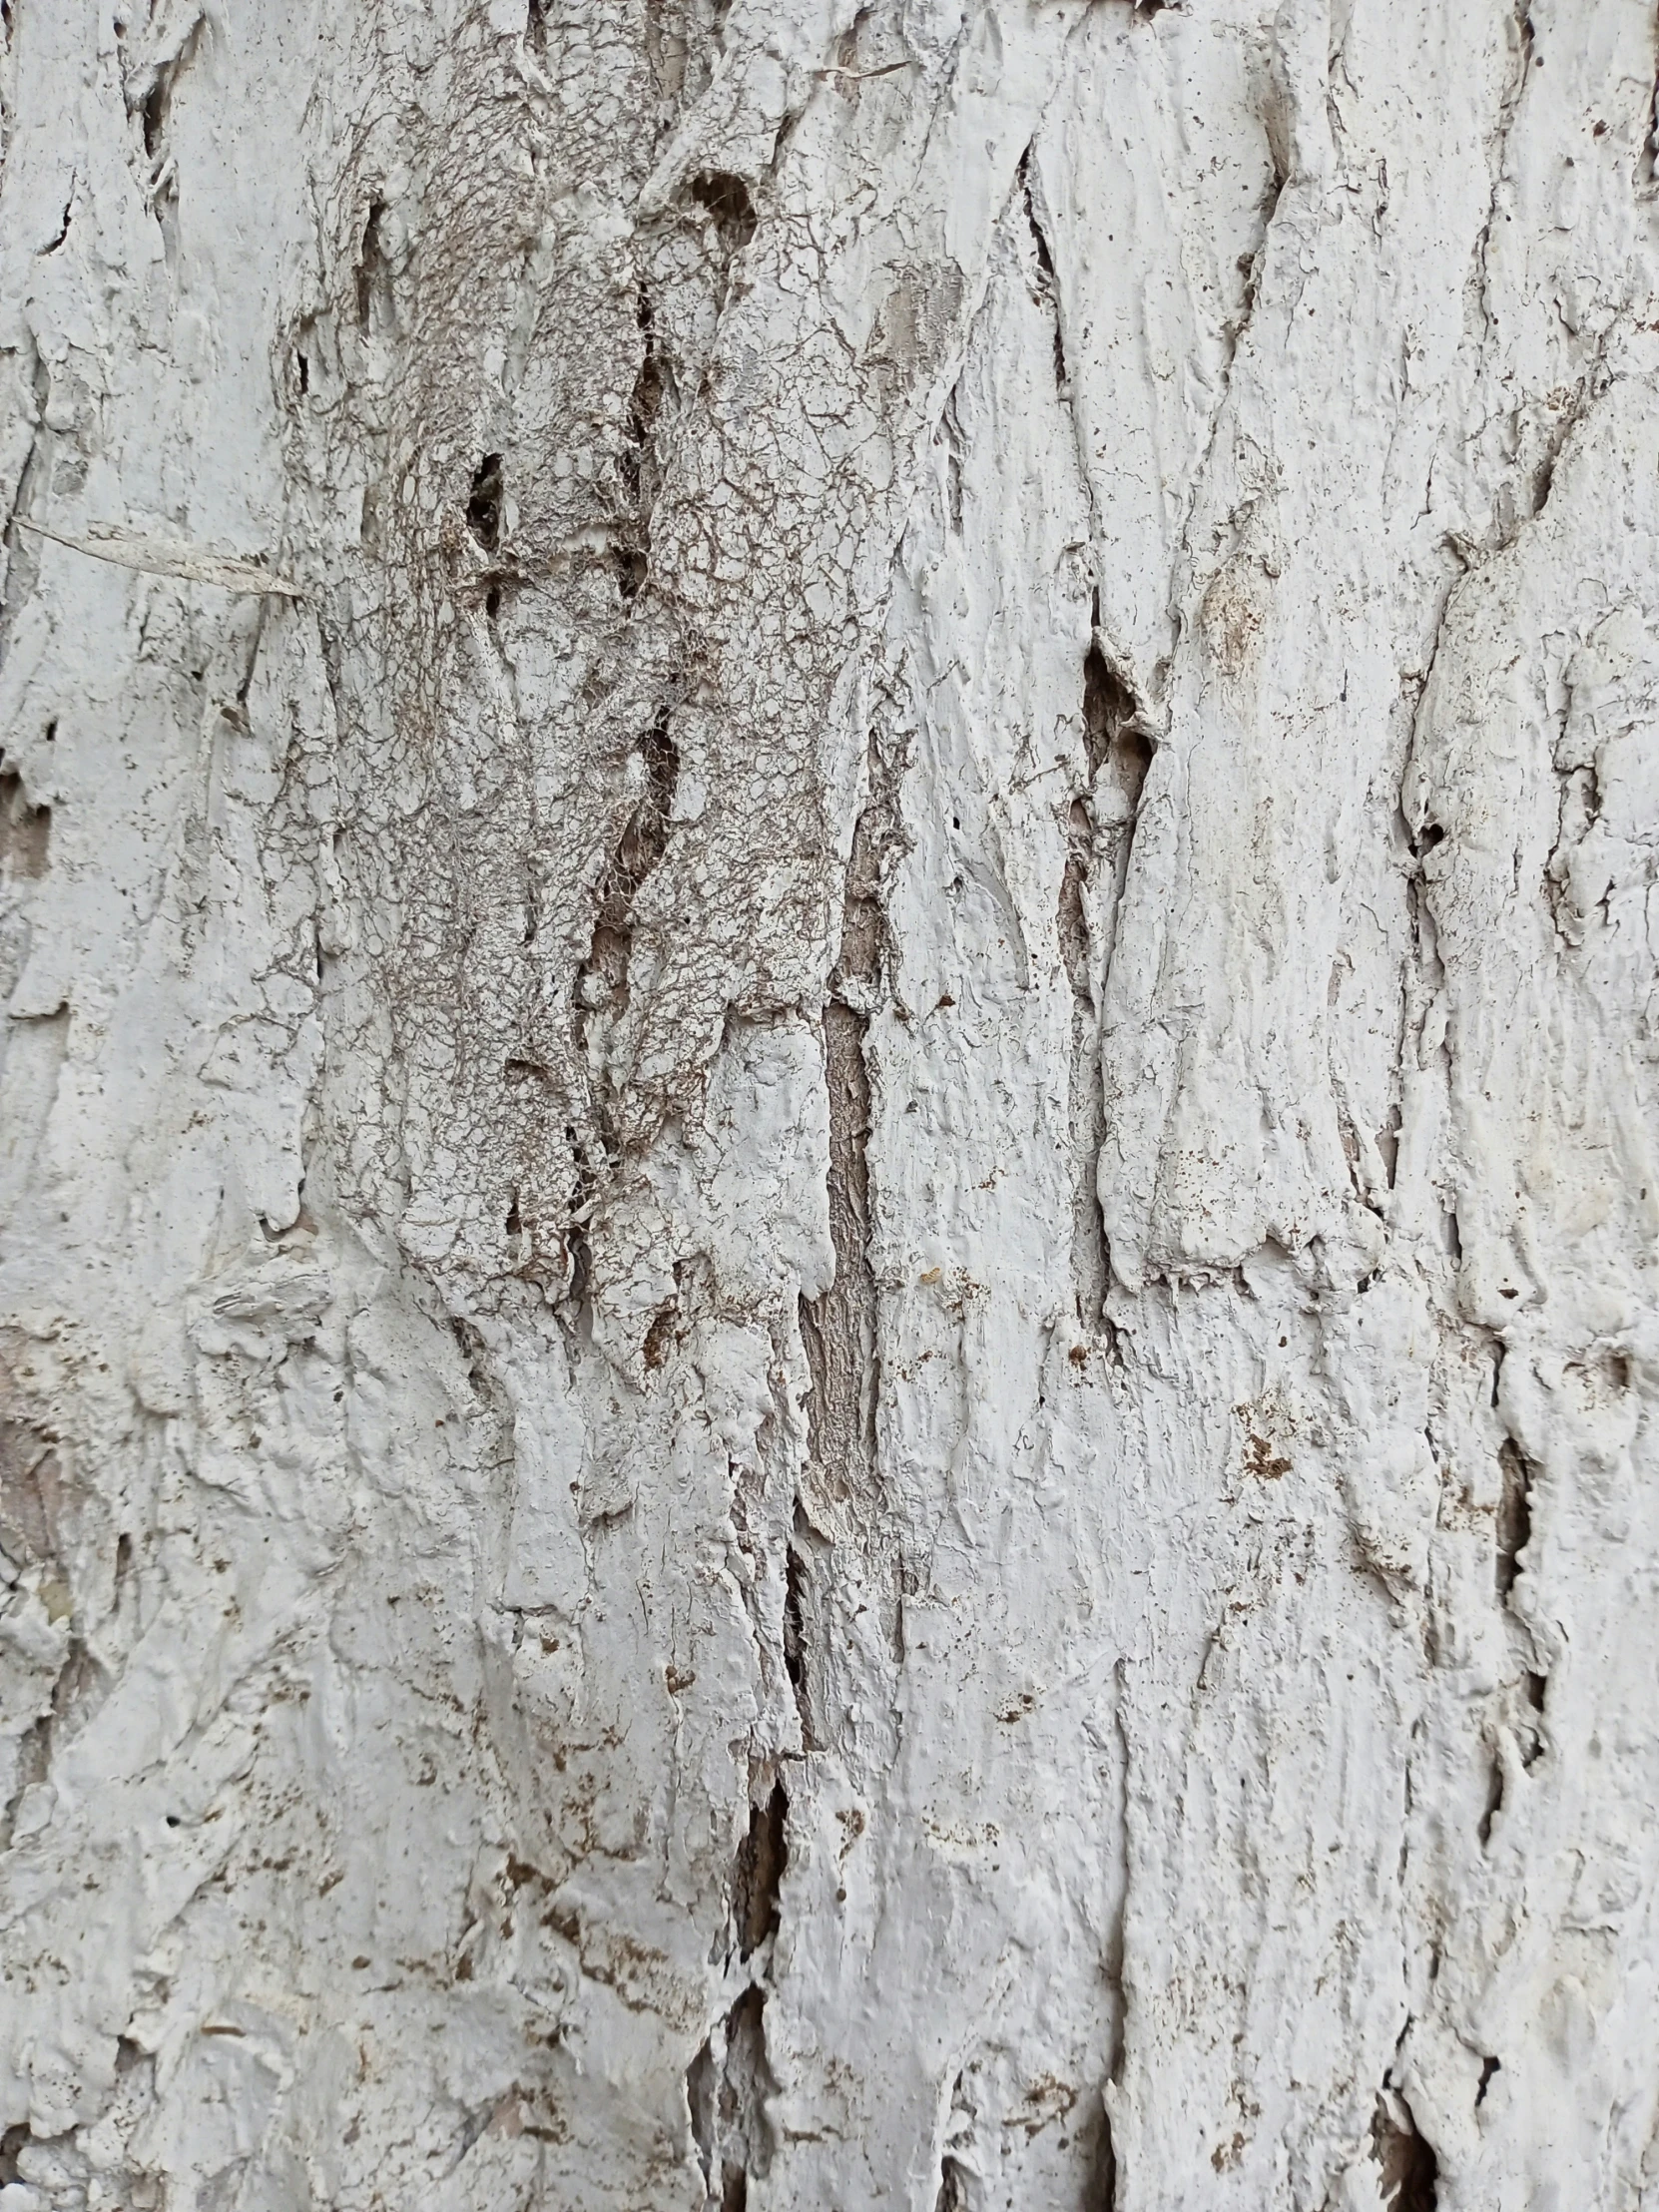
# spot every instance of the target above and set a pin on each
(827, 852)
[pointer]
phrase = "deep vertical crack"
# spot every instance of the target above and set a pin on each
(726, 2087)
(1100, 830)
(762, 1859)
(838, 1328)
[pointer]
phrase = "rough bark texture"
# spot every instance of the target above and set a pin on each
(826, 1133)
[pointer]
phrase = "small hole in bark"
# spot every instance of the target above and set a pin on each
(762, 1859)
(700, 2091)
(953, 2196)
(1487, 2070)
(24, 830)
(155, 115)
(305, 374)
(1410, 2173)
(794, 1579)
(370, 261)
(726, 199)
(1514, 1515)
(638, 460)
(630, 564)
(492, 600)
(1109, 709)
(1494, 1800)
(483, 508)
(1103, 2181)
(659, 1337)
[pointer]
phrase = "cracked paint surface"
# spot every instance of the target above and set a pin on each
(827, 843)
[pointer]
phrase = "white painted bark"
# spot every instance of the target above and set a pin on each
(828, 1113)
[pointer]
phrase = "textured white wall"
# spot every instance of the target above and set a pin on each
(826, 1303)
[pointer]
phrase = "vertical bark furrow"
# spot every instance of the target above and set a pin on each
(827, 1087)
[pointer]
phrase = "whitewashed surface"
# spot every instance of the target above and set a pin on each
(830, 916)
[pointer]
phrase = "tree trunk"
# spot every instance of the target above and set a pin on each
(829, 1108)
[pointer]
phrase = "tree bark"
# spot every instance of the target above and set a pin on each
(827, 1134)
